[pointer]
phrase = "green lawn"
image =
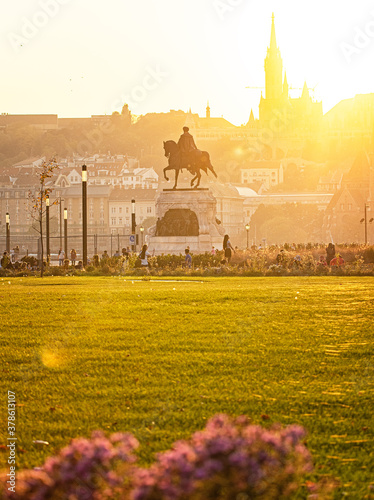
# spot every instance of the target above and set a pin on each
(159, 358)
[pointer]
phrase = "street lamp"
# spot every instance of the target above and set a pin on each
(365, 221)
(84, 213)
(60, 221)
(7, 222)
(133, 224)
(47, 225)
(141, 229)
(66, 232)
(247, 226)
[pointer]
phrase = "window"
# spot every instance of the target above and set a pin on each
(127, 210)
(114, 221)
(342, 206)
(119, 210)
(349, 206)
(149, 210)
(113, 210)
(120, 221)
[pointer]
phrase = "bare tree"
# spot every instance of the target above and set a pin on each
(37, 206)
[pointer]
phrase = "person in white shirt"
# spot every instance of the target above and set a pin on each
(143, 256)
(61, 257)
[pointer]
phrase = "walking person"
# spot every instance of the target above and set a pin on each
(228, 248)
(143, 256)
(330, 253)
(61, 257)
(188, 258)
(73, 256)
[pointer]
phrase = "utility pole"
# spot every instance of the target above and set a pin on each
(84, 213)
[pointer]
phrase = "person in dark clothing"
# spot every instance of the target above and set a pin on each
(227, 247)
(186, 142)
(187, 148)
(330, 253)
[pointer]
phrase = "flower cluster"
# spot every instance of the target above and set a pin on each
(227, 459)
(87, 469)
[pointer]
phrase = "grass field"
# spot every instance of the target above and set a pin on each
(158, 358)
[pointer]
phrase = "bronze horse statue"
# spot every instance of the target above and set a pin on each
(194, 162)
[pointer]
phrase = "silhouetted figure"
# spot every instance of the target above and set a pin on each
(330, 253)
(186, 142)
(73, 257)
(227, 247)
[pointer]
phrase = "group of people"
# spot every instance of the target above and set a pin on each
(333, 259)
(227, 247)
(62, 257)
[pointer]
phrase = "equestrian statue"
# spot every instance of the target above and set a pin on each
(186, 155)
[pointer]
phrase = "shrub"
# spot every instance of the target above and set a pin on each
(229, 459)
(84, 470)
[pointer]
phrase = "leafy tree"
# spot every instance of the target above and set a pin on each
(37, 200)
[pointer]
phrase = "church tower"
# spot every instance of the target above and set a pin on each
(207, 115)
(273, 68)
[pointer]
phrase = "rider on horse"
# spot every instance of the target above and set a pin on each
(187, 149)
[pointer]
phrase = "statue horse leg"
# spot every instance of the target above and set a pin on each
(196, 178)
(176, 178)
(165, 169)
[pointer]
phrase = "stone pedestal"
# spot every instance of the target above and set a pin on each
(186, 218)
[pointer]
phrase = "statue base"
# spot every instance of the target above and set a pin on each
(186, 218)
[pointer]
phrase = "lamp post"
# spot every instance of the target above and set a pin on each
(133, 224)
(66, 232)
(141, 229)
(84, 213)
(7, 222)
(60, 204)
(247, 226)
(47, 225)
(365, 221)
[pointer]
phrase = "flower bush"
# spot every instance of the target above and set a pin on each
(87, 469)
(229, 459)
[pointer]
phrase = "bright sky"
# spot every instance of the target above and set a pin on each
(89, 56)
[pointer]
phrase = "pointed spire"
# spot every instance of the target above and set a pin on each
(207, 110)
(305, 93)
(251, 121)
(273, 38)
(273, 67)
